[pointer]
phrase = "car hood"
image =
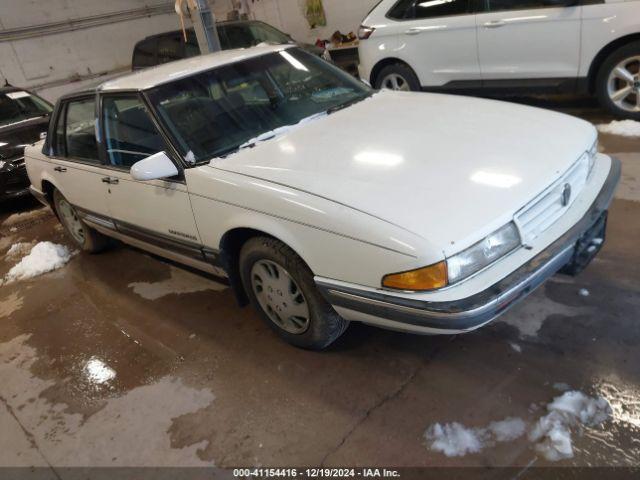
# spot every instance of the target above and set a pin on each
(448, 168)
(14, 137)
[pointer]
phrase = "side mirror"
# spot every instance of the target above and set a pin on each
(155, 167)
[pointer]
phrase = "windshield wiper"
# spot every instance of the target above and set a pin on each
(278, 131)
(344, 105)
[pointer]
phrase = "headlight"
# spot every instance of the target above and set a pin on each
(2, 164)
(593, 151)
(483, 253)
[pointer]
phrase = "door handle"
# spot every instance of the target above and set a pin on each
(495, 24)
(110, 180)
(414, 31)
(60, 169)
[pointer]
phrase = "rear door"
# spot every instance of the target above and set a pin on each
(77, 167)
(528, 39)
(155, 211)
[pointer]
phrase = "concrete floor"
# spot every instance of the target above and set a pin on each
(121, 359)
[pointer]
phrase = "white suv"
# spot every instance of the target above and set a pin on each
(587, 46)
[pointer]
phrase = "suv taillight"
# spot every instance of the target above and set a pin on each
(365, 32)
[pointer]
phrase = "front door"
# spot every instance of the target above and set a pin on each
(528, 39)
(438, 40)
(156, 211)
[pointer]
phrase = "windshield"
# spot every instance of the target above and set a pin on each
(214, 113)
(20, 105)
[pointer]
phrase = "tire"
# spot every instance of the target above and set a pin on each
(399, 75)
(265, 265)
(628, 57)
(83, 236)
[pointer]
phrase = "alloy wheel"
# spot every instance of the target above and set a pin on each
(623, 85)
(280, 297)
(71, 221)
(394, 81)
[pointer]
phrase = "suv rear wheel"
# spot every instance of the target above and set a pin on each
(397, 77)
(618, 82)
(82, 235)
(281, 287)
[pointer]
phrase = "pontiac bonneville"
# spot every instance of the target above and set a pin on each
(322, 200)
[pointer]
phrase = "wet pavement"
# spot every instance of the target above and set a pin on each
(122, 359)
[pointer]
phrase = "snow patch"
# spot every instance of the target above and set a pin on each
(19, 249)
(583, 292)
(453, 439)
(552, 432)
(456, 440)
(507, 429)
(516, 347)
(98, 372)
(623, 128)
(44, 257)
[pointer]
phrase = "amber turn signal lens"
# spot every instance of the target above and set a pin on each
(426, 278)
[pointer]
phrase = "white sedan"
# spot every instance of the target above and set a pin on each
(322, 200)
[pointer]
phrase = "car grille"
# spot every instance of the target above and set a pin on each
(548, 207)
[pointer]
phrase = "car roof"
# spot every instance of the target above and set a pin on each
(167, 72)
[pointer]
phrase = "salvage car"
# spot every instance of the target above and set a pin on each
(322, 200)
(24, 119)
(172, 46)
(507, 46)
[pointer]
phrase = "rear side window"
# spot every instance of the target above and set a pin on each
(79, 131)
(421, 9)
(144, 54)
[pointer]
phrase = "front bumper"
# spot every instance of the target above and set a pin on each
(14, 181)
(569, 253)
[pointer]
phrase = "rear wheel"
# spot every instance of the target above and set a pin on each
(618, 82)
(281, 287)
(82, 235)
(399, 77)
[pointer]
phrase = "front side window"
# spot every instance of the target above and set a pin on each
(214, 113)
(129, 132)
(17, 106)
(80, 131)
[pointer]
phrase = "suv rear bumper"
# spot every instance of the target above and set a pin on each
(570, 253)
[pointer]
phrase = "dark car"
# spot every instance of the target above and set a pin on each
(24, 119)
(170, 46)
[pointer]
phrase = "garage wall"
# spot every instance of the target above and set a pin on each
(57, 46)
(288, 16)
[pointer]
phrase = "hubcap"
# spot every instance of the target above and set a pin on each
(623, 85)
(71, 221)
(280, 297)
(393, 81)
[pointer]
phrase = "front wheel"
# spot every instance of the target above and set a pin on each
(83, 236)
(618, 82)
(398, 77)
(281, 287)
